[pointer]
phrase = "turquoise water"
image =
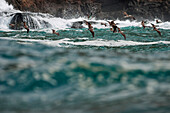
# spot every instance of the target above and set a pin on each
(75, 73)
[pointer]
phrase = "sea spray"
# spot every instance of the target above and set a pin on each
(4, 6)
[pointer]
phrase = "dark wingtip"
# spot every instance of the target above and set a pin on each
(28, 30)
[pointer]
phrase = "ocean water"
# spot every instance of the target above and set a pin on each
(75, 73)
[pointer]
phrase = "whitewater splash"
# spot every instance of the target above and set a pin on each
(4, 6)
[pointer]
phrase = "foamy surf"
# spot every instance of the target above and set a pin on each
(97, 43)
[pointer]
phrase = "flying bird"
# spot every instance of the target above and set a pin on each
(121, 33)
(154, 28)
(26, 27)
(128, 16)
(90, 27)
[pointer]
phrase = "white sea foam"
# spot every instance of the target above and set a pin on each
(63, 24)
(4, 6)
(96, 43)
(4, 22)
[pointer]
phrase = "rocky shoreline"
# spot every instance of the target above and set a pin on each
(101, 9)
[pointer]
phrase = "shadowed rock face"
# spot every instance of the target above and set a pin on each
(141, 9)
(101, 9)
(150, 9)
(18, 20)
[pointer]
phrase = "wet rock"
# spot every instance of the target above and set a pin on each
(17, 22)
(77, 25)
(18, 19)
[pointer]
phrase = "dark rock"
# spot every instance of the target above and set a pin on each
(77, 25)
(18, 20)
